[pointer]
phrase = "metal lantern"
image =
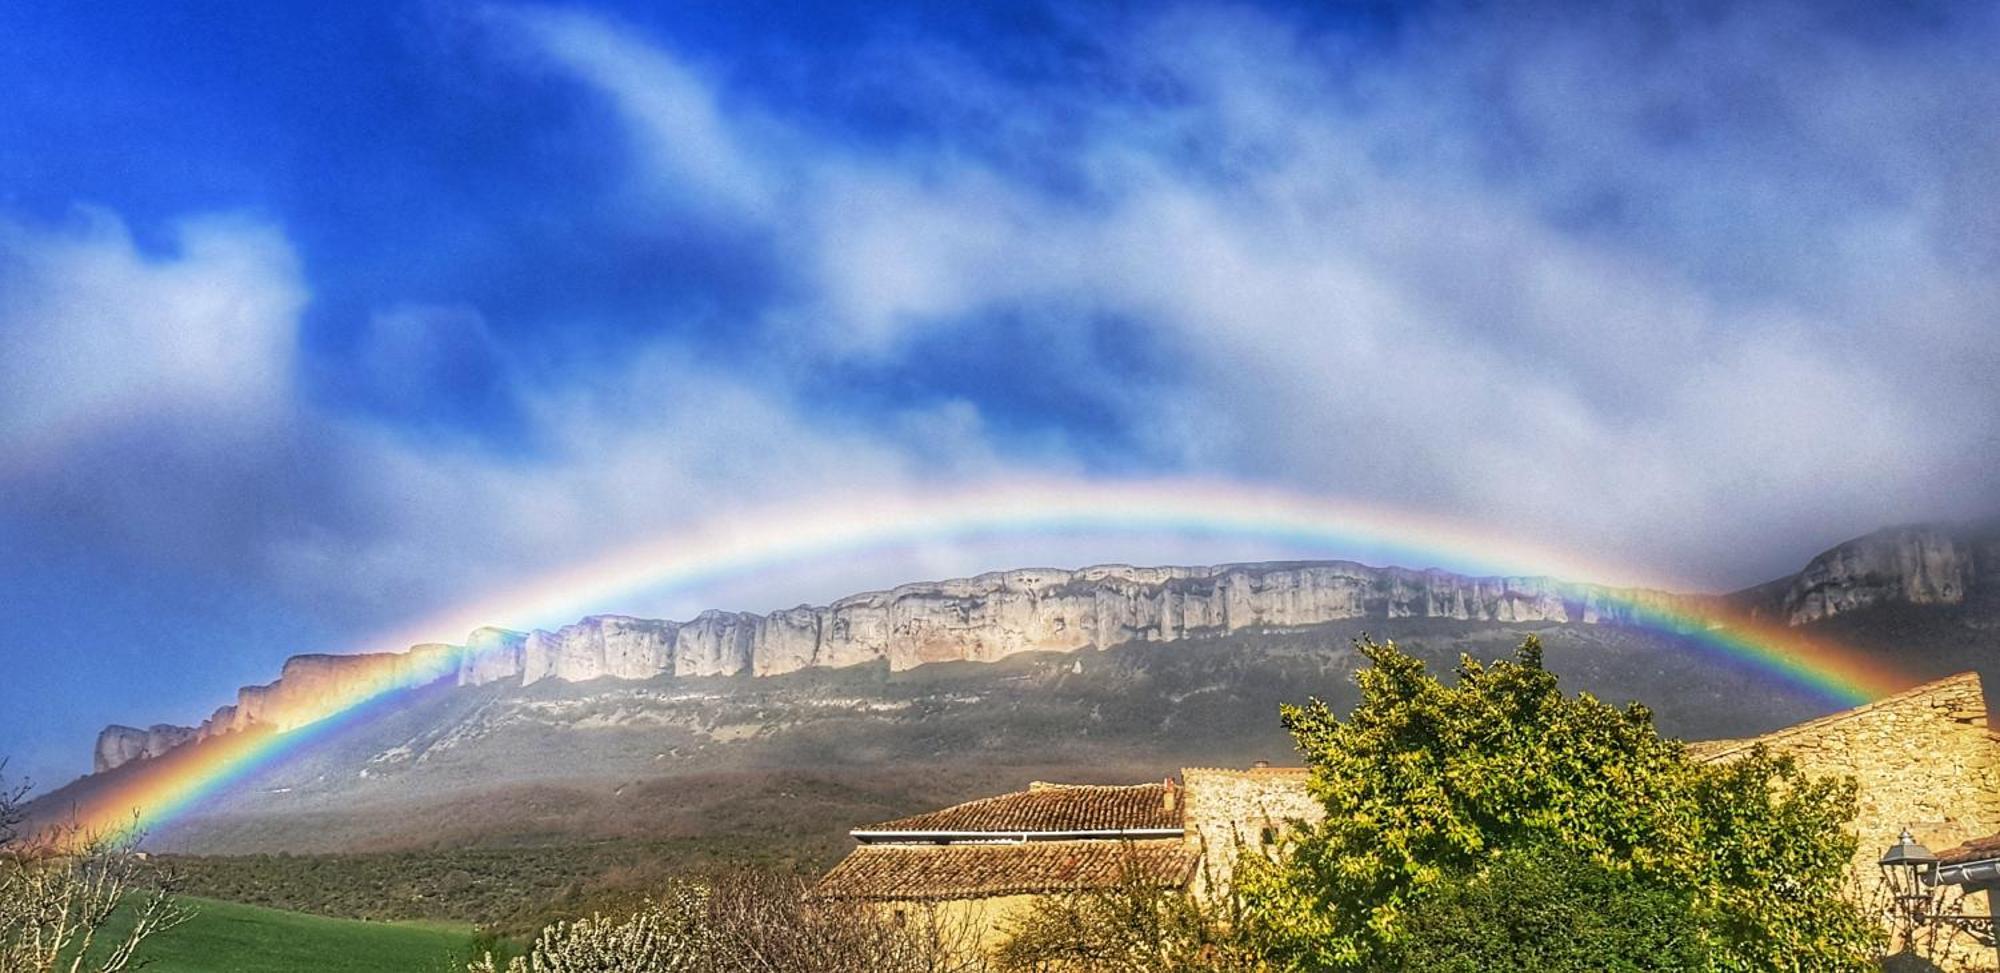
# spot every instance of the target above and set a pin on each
(1916, 881)
(1908, 869)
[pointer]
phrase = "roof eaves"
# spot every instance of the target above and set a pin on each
(871, 836)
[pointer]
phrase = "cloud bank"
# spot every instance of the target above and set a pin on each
(1683, 287)
(1702, 290)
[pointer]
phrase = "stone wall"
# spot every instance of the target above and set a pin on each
(1232, 810)
(1922, 759)
(966, 926)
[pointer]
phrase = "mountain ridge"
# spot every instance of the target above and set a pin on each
(999, 614)
(1921, 564)
(983, 618)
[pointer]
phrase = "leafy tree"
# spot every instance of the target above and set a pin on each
(1428, 785)
(1549, 910)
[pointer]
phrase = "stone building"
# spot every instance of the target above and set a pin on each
(1923, 759)
(981, 863)
(1230, 811)
(975, 865)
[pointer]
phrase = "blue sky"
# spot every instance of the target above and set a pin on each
(315, 319)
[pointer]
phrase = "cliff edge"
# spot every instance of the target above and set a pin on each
(980, 619)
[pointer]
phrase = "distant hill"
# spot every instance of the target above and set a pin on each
(981, 619)
(536, 750)
(1922, 565)
(1926, 597)
(791, 761)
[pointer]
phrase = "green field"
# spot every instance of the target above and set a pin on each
(225, 937)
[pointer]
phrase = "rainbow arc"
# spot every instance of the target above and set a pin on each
(157, 792)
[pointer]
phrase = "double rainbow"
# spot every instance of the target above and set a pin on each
(151, 793)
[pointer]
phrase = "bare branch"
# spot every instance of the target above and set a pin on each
(60, 891)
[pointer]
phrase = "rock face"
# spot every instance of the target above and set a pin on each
(979, 619)
(119, 745)
(997, 615)
(1910, 565)
(490, 655)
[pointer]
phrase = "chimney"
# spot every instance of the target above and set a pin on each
(1170, 800)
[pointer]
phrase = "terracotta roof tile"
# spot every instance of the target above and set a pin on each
(1978, 849)
(1052, 807)
(962, 871)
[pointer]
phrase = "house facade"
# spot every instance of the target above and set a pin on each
(1923, 759)
(977, 865)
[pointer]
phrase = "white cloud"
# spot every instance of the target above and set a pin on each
(1670, 291)
(1330, 308)
(1693, 296)
(673, 109)
(152, 413)
(94, 332)
(407, 347)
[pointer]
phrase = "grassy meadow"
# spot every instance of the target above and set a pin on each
(229, 937)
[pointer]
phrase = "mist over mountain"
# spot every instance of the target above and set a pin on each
(776, 725)
(981, 619)
(1920, 565)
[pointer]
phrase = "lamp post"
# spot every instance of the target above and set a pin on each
(1914, 880)
(1909, 870)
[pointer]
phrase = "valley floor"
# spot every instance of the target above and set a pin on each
(228, 937)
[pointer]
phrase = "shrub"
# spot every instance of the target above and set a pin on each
(1427, 785)
(671, 935)
(1550, 911)
(59, 889)
(749, 923)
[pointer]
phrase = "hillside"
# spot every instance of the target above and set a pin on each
(510, 800)
(982, 619)
(779, 763)
(786, 762)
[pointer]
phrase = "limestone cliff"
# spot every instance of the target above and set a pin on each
(1920, 565)
(122, 744)
(980, 619)
(997, 615)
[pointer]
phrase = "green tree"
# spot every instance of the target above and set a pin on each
(1427, 785)
(1549, 910)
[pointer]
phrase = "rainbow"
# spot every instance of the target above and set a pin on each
(155, 792)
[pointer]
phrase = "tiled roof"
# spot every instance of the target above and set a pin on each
(1978, 849)
(963, 871)
(1052, 807)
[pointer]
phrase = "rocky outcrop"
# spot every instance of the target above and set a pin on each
(490, 655)
(120, 745)
(979, 619)
(996, 615)
(610, 645)
(1927, 565)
